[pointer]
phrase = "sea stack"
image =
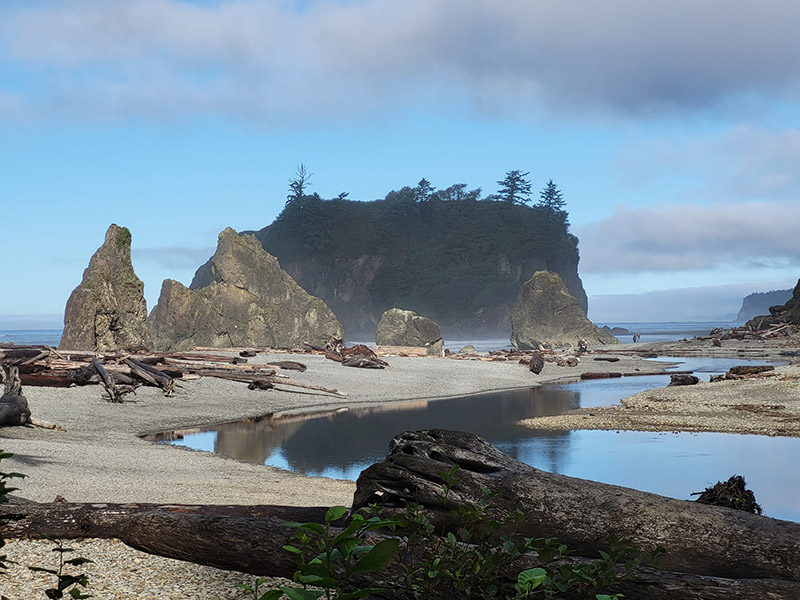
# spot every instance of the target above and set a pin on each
(546, 313)
(399, 327)
(243, 298)
(107, 311)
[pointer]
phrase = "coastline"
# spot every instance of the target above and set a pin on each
(102, 458)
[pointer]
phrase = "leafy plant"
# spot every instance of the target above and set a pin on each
(65, 582)
(470, 562)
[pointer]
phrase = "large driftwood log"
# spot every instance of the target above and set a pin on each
(585, 515)
(250, 539)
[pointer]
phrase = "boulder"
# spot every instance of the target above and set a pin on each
(399, 327)
(107, 311)
(546, 313)
(245, 299)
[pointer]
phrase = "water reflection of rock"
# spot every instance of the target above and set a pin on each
(347, 438)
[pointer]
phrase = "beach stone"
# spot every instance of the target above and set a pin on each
(243, 298)
(107, 311)
(683, 379)
(546, 313)
(399, 327)
(468, 349)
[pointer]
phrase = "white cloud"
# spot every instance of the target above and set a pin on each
(690, 237)
(264, 58)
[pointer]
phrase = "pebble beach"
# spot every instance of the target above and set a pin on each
(101, 457)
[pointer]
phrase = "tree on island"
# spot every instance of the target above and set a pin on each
(299, 184)
(423, 190)
(514, 189)
(552, 200)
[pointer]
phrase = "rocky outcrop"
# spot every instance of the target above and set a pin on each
(546, 313)
(759, 303)
(460, 263)
(789, 312)
(243, 299)
(107, 311)
(399, 327)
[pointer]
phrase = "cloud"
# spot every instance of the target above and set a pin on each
(273, 60)
(691, 237)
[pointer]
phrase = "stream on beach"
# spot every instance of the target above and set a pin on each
(342, 444)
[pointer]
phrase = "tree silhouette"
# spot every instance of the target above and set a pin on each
(299, 184)
(514, 189)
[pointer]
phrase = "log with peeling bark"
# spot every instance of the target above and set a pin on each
(251, 539)
(699, 539)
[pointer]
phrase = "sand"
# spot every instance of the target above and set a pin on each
(102, 458)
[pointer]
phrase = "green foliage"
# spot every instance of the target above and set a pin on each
(124, 238)
(66, 582)
(299, 184)
(468, 562)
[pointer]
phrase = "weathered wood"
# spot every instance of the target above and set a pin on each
(114, 394)
(251, 539)
(600, 375)
(14, 408)
(700, 539)
(152, 375)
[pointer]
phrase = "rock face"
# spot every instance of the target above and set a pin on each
(759, 303)
(546, 313)
(399, 327)
(107, 311)
(243, 299)
(789, 312)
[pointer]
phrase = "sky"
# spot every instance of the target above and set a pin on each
(672, 129)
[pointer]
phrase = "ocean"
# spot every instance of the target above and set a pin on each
(650, 332)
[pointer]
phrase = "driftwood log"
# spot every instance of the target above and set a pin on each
(14, 408)
(713, 553)
(584, 515)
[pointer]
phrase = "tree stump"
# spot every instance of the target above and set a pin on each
(13, 405)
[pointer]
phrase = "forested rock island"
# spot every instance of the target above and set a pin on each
(448, 254)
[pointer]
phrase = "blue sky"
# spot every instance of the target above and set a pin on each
(672, 129)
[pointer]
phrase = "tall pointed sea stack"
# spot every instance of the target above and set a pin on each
(107, 311)
(546, 313)
(241, 297)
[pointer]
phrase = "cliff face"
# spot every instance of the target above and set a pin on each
(460, 263)
(759, 303)
(107, 311)
(241, 297)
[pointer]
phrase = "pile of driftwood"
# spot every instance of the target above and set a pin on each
(766, 329)
(120, 373)
(359, 355)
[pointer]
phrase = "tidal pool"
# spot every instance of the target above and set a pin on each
(342, 444)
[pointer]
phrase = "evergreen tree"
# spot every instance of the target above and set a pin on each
(552, 200)
(299, 184)
(514, 189)
(423, 190)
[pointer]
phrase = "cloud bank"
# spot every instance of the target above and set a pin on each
(691, 237)
(273, 60)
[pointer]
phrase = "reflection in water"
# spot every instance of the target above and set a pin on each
(342, 443)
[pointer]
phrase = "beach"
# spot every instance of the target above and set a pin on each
(101, 457)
